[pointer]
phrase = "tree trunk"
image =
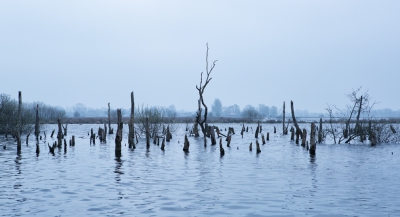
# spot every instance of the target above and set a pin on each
(110, 130)
(320, 131)
(284, 129)
(59, 134)
(313, 144)
(294, 120)
(131, 134)
(37, 124)
(147, 130)
(19, 127)
(118, 137)
(186, 144)
(304, 137)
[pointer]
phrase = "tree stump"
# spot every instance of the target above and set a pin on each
(186, 144)
(304, 138)
(313, 145)
(118, 137)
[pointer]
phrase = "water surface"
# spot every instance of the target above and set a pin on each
(283, 180)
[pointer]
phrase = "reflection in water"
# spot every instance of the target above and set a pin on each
(18, 163)
(118, 171)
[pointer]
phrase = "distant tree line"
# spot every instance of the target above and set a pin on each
(8, 114)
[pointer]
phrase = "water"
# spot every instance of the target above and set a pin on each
(283, 180)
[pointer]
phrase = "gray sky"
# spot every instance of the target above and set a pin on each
(95, 52)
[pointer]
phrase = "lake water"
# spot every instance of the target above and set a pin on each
(283, 180)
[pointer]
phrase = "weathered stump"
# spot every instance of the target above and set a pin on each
(131, 125)
(19, 127)
(118, 137)
(147, 131)
(320, 131)
(263, 139)
(186, 144)
(221, 149)
(258, 147)
(59, 134)
(228, 141)
(163, 144)
(304, 137)
(257, 130)
(292, 134)
(313, 145)
(267, 136)
(251, 146)
(110, 130)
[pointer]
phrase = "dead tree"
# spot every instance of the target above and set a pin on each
(110, 130)
(186, 145)
(313, 144)
(199, 120)
(37, 131)
(284, 129)
(320, 131)
(118, 137)
(19, 126)
(147, 132)
(221, 149)
(59, 134)
(131, 125)
(298, 130)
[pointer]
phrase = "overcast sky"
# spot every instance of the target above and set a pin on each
(95, 52)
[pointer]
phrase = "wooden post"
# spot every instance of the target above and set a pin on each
(258, 147)
(59, 134)
(131, 133)
(52, 133)
(320, 131)
(274, 129)
(304, 137)
(251, 146)
(228, 141)
(313, 144)
(267, 136)
(73, 141)
(19, 127)
(118, 137)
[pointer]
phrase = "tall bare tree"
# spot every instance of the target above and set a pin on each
(202, 86)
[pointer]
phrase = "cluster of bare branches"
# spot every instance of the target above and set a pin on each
(158, 121)
(355, 122)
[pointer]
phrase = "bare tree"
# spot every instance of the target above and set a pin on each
(199, 120)
(355, 122)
